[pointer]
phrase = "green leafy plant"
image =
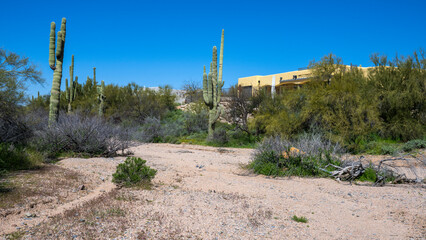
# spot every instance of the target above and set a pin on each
(132, 172)
(369, 175)
(299, 219)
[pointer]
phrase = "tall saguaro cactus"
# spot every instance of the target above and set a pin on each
(101, 98)
(55, 62)
(212, 87)
(71, 90)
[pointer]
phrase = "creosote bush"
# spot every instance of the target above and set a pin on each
(133, 171)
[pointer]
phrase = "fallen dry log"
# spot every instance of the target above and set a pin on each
(348, 173)
(355, 170)
(381, 173)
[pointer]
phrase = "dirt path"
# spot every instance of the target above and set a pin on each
(203, 193)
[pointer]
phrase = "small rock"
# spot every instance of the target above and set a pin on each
(82, 187)
(82, 220)
(102, 179)
(29, 215)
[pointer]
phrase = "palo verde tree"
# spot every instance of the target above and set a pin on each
(55, 62)
(400, 85)
(212, 87)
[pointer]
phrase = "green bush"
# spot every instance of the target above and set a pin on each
(132, 172)
(314, 154)
(299, 219)
(219, 137)
(414, 144)
(266, 163)
(18, 158)
(369, 175)
(388, 150)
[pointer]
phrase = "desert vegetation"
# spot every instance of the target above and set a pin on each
(304, 132)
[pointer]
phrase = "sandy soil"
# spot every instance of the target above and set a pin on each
(203, 193)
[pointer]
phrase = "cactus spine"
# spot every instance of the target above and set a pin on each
(55, 62)
(70, 91)
(101, 98)
(212, 87)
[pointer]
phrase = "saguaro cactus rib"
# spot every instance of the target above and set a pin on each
(212, 87)
(55, 62)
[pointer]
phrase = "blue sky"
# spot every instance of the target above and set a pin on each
(159, 42)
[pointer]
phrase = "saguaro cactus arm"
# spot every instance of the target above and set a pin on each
(221, 57)
(205, 87)
(52, 46)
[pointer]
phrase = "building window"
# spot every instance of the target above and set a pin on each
(281, 78)
(295, 77)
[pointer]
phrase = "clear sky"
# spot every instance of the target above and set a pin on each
(155, 43)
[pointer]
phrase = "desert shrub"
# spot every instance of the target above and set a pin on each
(266, 163)
(17, 158)
(196, 121)
(414, 144)
(219, 137)
(276, 156)
(299, 219)
(133, 171)
(89, 135)
(150, 131)
(369, 175)
(388, 150)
